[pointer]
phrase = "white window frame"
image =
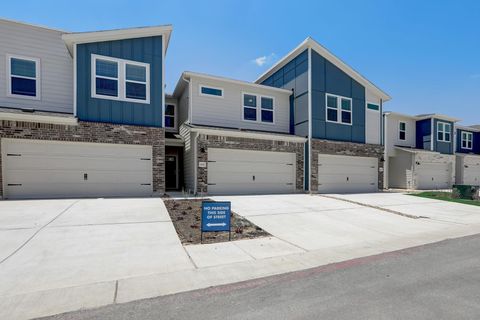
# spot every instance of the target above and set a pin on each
(258, 108)
(37, 77)
(174, 128)
(339, 109)
(400, 130)
(469, 136)
(200, 86)
(122, 79)
(443, 124)
(372, 103)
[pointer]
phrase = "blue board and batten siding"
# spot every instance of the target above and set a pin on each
(148, 50)
(294, 76)
(441, 146)
(475, 142)
(425, 134)
(327, 78)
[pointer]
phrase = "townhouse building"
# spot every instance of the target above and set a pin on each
(86, 114)
(419, 151)
(468, 155)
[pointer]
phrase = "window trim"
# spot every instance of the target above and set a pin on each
(468, 134)
(444, 131)
(174, 128)
(258, 108)
(200, 86)
(9, 77)
(122, 79)
(339, 109)
(400, 130)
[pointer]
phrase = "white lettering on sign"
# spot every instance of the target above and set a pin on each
(202, 164)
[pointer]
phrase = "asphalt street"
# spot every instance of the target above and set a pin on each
(435, 281)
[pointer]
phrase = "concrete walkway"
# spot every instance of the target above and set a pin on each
(65, 255)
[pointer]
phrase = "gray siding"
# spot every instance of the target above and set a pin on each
(444, 147)
(183, 104)
(147, 50)
(188, 158)
(227, 111)
(56, 70)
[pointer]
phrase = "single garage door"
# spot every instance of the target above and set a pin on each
(250, 172)
(50, 169)
(471, 173)
(347, 174)
(433, 175)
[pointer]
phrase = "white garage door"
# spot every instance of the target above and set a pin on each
(432, 176)
(49, 169)
(471, 174)
(250, 172)
(347, 174)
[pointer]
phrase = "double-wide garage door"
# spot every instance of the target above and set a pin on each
(48, 169)
(250, 172)
(347, 174)
(432, 175)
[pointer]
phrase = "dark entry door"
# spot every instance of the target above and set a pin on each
(171, 172)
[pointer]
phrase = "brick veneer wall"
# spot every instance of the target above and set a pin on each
(347, 149)
(93, 132)
(208, 141)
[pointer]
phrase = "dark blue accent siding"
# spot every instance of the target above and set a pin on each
(475, 142)
(424, 134)
(327, 78)
(147, 50)
(294, 76)
(440, 146)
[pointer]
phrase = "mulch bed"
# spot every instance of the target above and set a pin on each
(186, 217)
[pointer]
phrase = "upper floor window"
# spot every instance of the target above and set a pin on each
(119, 79)
(402, 131)
(23, 77)
(373, 106)
(258, 108)
(467, 140)
(339, 109)
(443, 131)
(170, 116)
(211, 91)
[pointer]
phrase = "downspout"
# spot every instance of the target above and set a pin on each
(310, 120)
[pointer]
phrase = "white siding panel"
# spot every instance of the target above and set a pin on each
(188, 159)
(56, 84)
(392, 135)
(228, 111)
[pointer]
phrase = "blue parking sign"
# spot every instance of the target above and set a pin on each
(216, 216)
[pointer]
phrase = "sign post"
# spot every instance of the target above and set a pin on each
(216, 217)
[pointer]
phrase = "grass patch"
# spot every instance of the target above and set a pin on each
(445, 196)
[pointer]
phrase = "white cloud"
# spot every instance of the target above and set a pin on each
(263, 60)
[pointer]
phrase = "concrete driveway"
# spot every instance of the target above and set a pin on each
(47, 244)
(314, 222)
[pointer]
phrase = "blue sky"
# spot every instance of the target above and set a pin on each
(425, 54)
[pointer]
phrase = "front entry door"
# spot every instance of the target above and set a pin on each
(171, 172)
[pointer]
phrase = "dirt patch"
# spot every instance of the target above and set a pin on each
(186, 217)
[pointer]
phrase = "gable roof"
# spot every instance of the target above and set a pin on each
(117, 34)
(311, 43)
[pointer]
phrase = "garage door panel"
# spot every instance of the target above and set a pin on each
(433, 175)
(250, 172)
(39, 169)
(347, 174)
(472, 170)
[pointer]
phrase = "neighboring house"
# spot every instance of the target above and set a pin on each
(81, 114)
(419, 151)
(234, 137)
(339, 112)
(468, 155)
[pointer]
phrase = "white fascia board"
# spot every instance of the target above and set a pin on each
(188, 74)
(32, 25)
(118, 34)
(71, 121)
(250, 135)
(436, 116)
(467, 128)
(311, 43)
